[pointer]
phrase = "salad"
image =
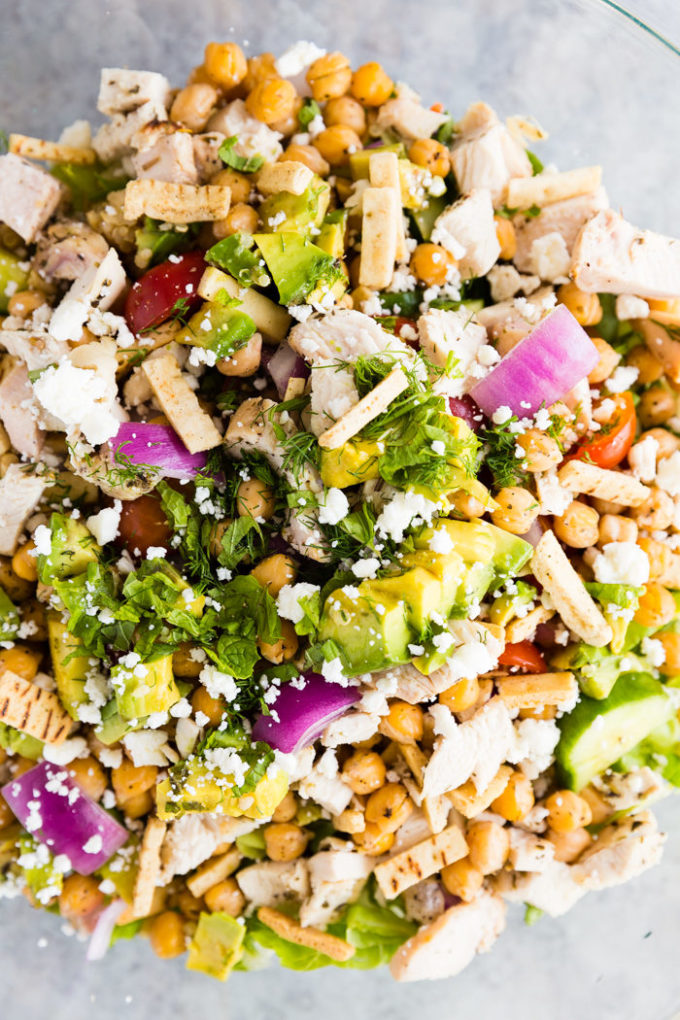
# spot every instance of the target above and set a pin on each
(339, 522)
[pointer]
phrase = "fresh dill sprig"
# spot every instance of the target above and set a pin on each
(501, 454)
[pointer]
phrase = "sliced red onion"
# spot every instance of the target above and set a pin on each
(303, 714)
(540, 369)
(464, 407)
(53, 808)
(285, 364)
(158, 445)
(100, 940)
(534, 534)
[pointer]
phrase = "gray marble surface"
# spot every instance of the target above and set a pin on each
(608, 93)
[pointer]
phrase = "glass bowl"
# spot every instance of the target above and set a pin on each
(604, 86)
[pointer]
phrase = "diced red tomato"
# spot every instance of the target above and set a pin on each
(437, 107)
(609, 447)
(142, 524)
(464, 407)
(525, 656)
(171, 286)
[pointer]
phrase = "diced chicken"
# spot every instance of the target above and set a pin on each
(193, 838)
(506, 283)
(625, 790)
(474, 749)
(270, 883)
(329, 791)
(549, 186)
(565, 218)
(37, 350)
(344, 335)
(16, 412)
(467, 230)
(529, 852)
(122, 90)
(114, 140)
(336, 877)
(553, 890)
(206, 154)
(612, 256)
(67, 250)
(165, 155)
(97, 288)
(408, 118)
(486, 155)
(622, 851)
(333, 393)
(253, 138)
(20, 494)
(28, 196)
(452, 334)
(425, 901)
(350, 729)
(450, 943)
(414, 830)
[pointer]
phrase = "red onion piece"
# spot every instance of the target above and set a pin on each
(304, 714)
(285, 364)
(464, 407)
(158, 445)
(53, 808)
(534, 534)
(100, 940)
(540, 369)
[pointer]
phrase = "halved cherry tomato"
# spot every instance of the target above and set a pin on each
(611, 445)
(464, 407)
(525, 656)
(142, 524)
(152, 299)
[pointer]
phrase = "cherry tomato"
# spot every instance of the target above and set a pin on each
(464, 407)
(142, 524)
(525, 656)
(153, 297)
(612, 443)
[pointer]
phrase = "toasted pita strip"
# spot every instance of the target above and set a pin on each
(379, 222)
(36, 148)
(522, 128)
(416, 760)
(552, 569)
(420, 861)
(288, 175)
(271, 320)
(368, 408)
(523, 192)
(383, 172)
(661, 344)
(149, 866)
(314, 938)
(436, 811)
(195, 428)
(524, 628)
(213, 871)
(537, 689)
(471, 802)
(29, 708)
(614, 486)
(176, 203)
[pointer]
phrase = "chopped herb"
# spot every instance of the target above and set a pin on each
(244, 164)
(87, 184)
(308, 111)
(446, 132)
(500, 457)
(536, 164)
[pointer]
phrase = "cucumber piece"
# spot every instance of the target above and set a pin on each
(598, 733)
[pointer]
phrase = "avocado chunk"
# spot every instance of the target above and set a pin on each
(448, 568)
(70, 670)
(597, 733)
(358, 161)
(13, 277)
(73, 548)
(478, 541)
(113, 727)
(220, 328)
(372, 632)
(426, 216)
(9, 617)
(296, 213)
(350, 464)
(144, 689)
(217, 945)
(331, 237)
(420, 590)
(195, 786)
(504, 608)
(235, 255)
(20, 743)
(297, 266)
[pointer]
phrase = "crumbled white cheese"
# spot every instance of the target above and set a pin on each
(288, 600)
(668, 474)
(66, 752)
(654, 651)
(441, 541)
(78, 398)
(297, 58)
(403, 510)
(622, 378)
(104, 525)
(335, 507)
(630, 307)
(501, 415)
(553, 497)
(42, 536)
(218, 684)
(621, 563)
(366, 568)
(334, 673)
(145, 747)
(642, 459)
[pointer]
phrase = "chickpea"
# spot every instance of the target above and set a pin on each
(217, 533)
(541, 451)
(432, 155)
(289, 125)
(615, 528)
(260, 68)
(389, 807)
(350, 820)
(578, 525)
(24, 302)
(90, 776)
(272, 100)
(488, 846)
(16, 588)
(516, 800)
(33, 614)
(461, 695)
(199, 76)
(193, 105)
(567, 811)
(605, 506)
(329, 76)
(656, 406)
(286, 809)
(130, 780)
(285, 648)
(6, 813)
(226, 896)
(336, 143)
(506, 237)
(25, 562)
(650, 369)
(432, 263)
(657, 606)
(371, 84)
(273, 572)
(166, 934)
(18, 765)
(660, 557)
(203, 702)
(403, 723)
(666, 441)
(609, 359)
(20, 660)
(308, 155)
(255, 499)
(285, 841)
(6, 461)
(467, 505)
(190, 906)
(569, 845)
(364, 772)
(241, 219)
(138, 806)
(183, 662)
(80, 896)
(240, 184)
(585, 308)
(671, 645)
(373, 840)
(657, 511)
(462, 879)
(517, 510)
(243, 362)
(225, 64)
(345, 110)
(599, 808)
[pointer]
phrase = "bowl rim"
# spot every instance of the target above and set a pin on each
(643, 25)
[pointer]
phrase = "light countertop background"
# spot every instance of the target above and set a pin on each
(615, 956)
